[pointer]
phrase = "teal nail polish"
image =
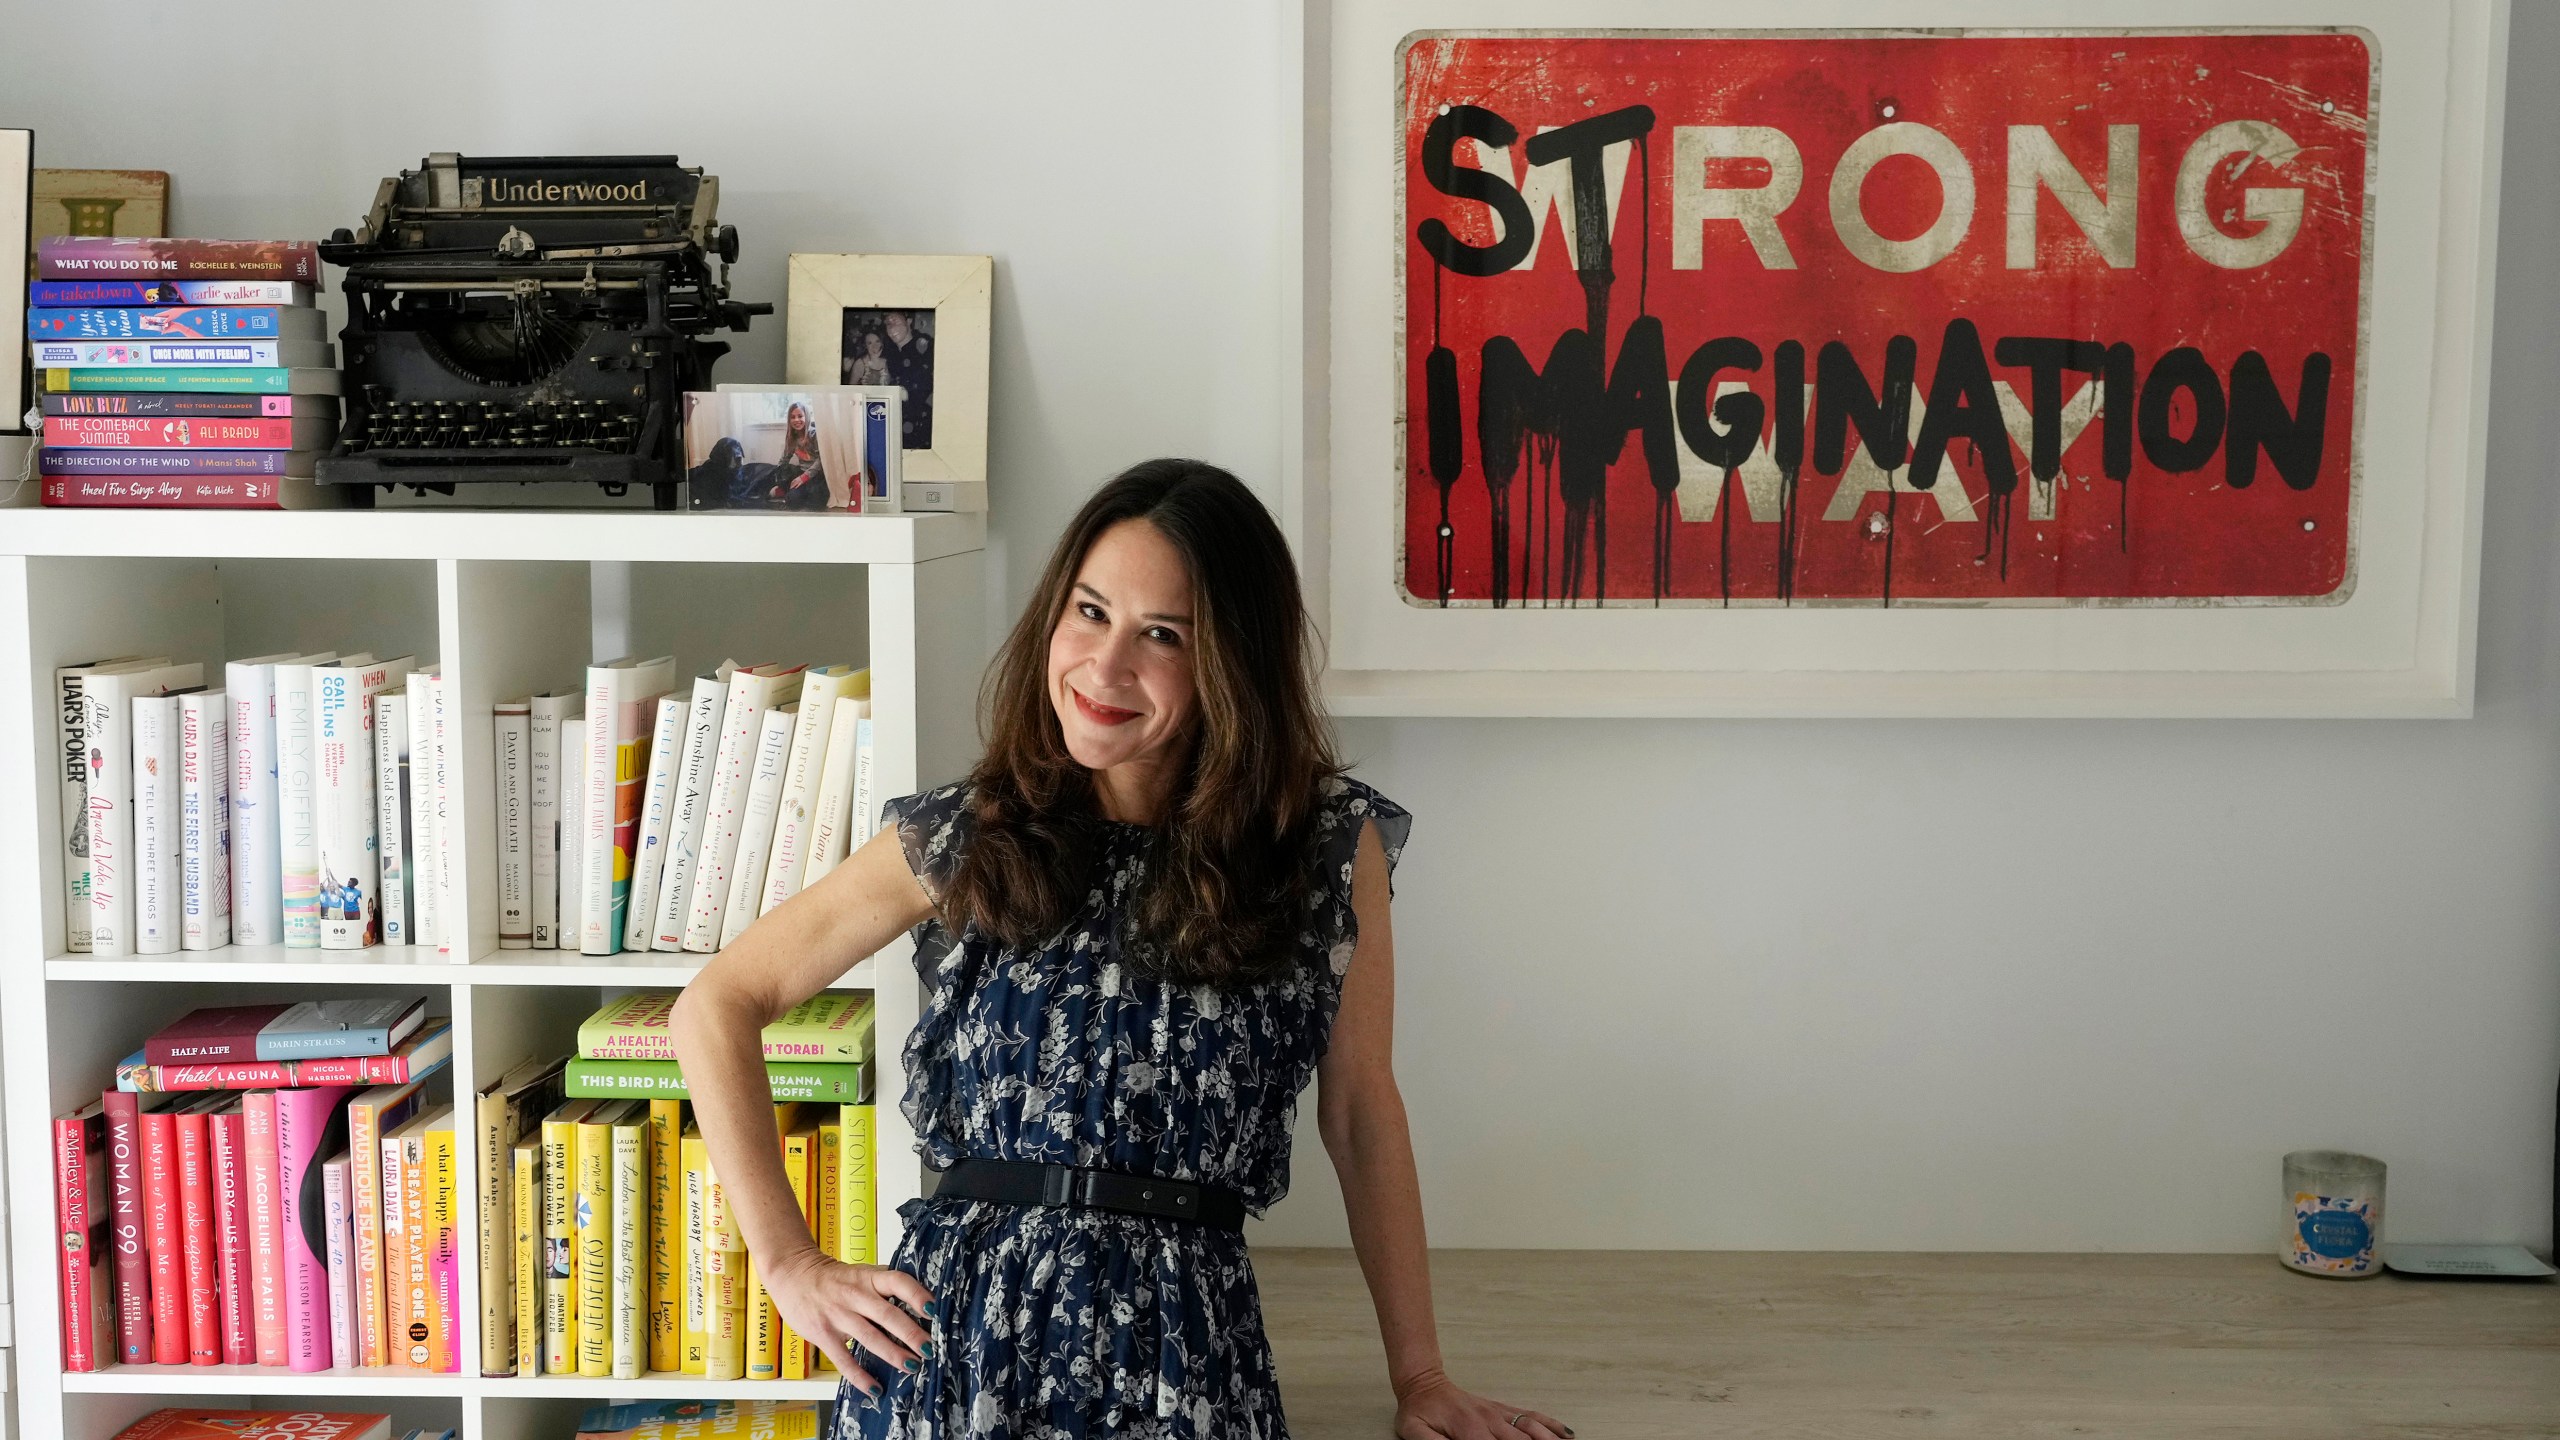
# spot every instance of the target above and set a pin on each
(911, 1365)
(928, 1349)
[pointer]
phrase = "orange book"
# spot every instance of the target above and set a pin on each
(189, 1423)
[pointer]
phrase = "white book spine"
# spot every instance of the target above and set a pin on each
(440, 713)
(335, 1214)
(257, 865)
(72, 713)
(515, 851)
(866, 802)
(787, 858)
(156, 922)
(204, 805)
(426, 912)
(297, 765)
(702, 730)
(595, 805)
(755, 823)
(110, 743)
(344, 808)
(573, 832)
(542, 753)
(618, 730)
(740, 727)
(832, 820)
(391, 813)
(657, 811)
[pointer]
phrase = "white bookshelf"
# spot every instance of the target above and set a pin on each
(511, 602)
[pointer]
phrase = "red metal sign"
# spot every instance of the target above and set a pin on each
(1883, 318)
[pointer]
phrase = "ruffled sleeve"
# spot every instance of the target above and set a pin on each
(1349, 805)
(932, 828)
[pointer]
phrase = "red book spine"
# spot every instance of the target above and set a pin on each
(351, 1070)
(163, 492)
(230, 1033)
(124, 1199)
(266, 1229)
(84, 257)
(231, 1236)
(195, 1217)
(168, 432)
(224, 1075)
(163, 1232)
(79, 1151)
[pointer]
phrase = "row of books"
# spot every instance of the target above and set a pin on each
(180, 371)
(305, 1227)
(315, 1224)
(627, 1258)
(302, 803)
(637, 815)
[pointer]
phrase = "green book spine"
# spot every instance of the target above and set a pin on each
(831, 1084)
(833, 1026)
(209, 380)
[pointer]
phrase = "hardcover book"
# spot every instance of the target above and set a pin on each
(651, 1079)
(194, 1424)
(173, 322)
(832, 1025)
(91, 257)
(53, 294)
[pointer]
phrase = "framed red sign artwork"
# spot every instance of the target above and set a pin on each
(1970, 363)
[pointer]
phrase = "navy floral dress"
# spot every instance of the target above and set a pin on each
(1060, 1324)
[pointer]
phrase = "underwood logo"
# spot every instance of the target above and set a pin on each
(498, 190)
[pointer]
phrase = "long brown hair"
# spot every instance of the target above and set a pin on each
(1229, 870)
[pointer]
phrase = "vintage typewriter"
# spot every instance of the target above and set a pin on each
(526, 319)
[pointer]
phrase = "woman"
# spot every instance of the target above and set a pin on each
(871, 367)
(1145, 919)
(798, 481)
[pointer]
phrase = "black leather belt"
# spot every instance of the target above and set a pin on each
(1031, 1182)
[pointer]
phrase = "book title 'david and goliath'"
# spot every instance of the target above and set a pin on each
(1883, 318)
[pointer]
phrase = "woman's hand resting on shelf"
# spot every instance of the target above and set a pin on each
(835, 1306)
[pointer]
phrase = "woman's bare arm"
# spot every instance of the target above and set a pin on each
(1360, 1114)
(789, 954)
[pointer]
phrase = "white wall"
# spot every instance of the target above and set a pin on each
(1967, 985)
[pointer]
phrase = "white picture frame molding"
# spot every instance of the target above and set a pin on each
(956, 288)
(2410, 652)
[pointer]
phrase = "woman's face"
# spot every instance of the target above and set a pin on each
(871, 345)
(1120, 660)
(797, 422)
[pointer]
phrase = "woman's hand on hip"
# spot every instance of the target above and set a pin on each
(1431, 1406)
(836, 1306)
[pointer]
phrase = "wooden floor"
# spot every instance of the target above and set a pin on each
(1839, 1346)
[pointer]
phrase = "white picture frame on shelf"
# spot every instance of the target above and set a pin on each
(2399, 643)
(916, 321)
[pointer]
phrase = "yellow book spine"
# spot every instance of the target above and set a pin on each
(444, 1253)
(830, 1186)
(526, 1156)
(417, 1295)
(666, 1243)
(697, 1320)
(725, 1265)
(559, 1245)
(799, 1154)
(857, 1231)
(593, 1322)
(630, 1289)
(764, 1333)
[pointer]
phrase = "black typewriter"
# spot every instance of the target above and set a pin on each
(524, 319)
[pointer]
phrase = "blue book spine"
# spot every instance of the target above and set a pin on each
(174, 322)
(167, 292)
(92, 460)
(323, 1044)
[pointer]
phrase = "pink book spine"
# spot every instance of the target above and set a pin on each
(165, 1234)
(231, 1236)
(133, 1260)
(73, 1158)
(303, 1139)
(195, 1219)
(266, 1232)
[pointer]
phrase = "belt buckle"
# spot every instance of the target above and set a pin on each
(1058, 1186)
(1149, 1194)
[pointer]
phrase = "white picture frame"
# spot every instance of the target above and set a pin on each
(823, 290)
(2401, 646)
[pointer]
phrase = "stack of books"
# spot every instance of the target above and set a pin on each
(627, 1258)
(181, 373)
(638, 815)
(300, 803)
(308, 1223)
(703, 1420)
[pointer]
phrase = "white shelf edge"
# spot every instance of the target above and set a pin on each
(656, 1383)
(257, 1380)
(398, 965)
(439, 533)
